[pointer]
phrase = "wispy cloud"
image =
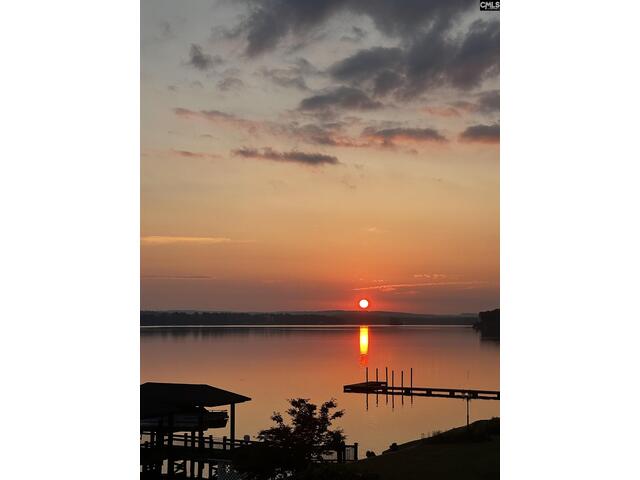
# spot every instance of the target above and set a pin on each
(170, 240)
(189, 154)
(313, 159)
(396, 286)
(177, 277)
(200, 60)
(430, 276)
(388, 136)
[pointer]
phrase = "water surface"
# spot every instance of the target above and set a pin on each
(271, 364)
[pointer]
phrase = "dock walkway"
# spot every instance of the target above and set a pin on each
(383, 388)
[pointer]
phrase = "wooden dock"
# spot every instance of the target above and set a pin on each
(383, 388)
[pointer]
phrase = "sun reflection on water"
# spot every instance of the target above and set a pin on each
(364, 345)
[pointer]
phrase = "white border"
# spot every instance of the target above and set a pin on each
(70, 231)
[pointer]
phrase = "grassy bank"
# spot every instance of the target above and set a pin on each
(461, 453)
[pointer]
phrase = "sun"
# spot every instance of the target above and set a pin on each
(364, 304)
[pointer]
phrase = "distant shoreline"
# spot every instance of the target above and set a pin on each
(332, 318)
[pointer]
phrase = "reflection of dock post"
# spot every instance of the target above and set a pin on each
(411, 384)
(386, 385)
(366, 379)
(393, 397)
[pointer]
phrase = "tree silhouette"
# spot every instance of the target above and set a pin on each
(290, 449)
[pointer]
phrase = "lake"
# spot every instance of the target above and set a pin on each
(271, 364)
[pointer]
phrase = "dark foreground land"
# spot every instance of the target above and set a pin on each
(467, 453)
(338, 317)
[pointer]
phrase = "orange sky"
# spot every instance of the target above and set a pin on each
(269, 184)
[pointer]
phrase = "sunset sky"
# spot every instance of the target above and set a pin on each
(301, 155)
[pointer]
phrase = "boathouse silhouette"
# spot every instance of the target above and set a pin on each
(169, 408)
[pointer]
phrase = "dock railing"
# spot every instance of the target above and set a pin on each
(193, 441)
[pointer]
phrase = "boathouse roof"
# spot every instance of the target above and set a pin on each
(180, 396)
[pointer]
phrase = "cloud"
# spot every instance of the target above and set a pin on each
(433, 58)
(363, 64)
(390, 136)
(341, 98)
(220, 118)
(441, 111)
(178, 277)
(481, 134)
(487, 103)
(200, 60)
(189, 154)
(312, 159)
(396, 286)
(270, 21)
(286, 78)
(153, 240)
(230, 83)
(357, 34)
(430, 276)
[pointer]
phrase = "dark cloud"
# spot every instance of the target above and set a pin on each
(477, 56)
(341, 98)
(269, 21)
(312, 159)
(200, 60)
(365, 63)
(286, 78)
(431, 59)
(489, 102)
(481, 134)
(389, 136)
(230, 83)
(485, 103)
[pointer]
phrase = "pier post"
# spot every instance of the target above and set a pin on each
(468, 398)
(402, 381)
(170, 464)
(376, 374)
(232, 427)
(366, 374)
(411, 380)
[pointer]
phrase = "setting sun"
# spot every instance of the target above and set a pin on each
(364, 303)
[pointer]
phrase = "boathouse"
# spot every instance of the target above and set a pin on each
(169, 408)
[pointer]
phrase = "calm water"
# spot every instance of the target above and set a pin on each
(271, 364)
